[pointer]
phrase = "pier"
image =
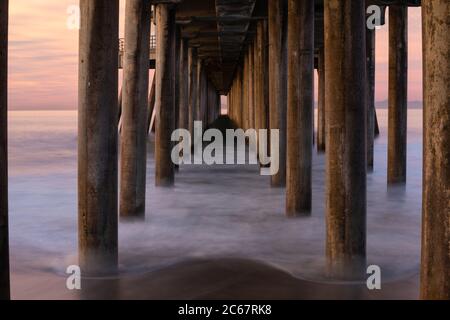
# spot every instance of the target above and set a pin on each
(261, 55)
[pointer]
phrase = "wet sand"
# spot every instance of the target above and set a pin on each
(210, 279)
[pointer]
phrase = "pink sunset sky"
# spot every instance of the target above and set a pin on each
(43, 56)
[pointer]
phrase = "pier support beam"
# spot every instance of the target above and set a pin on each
(345, 78)
(192, 70)
(230, 103)
(204, 97)
(300, 106)
(278, 80)
(133, 139)
(183, 120)
(370, 60)
(4, 237)
(398, 78)
(435, 275)
(200, 91)
(97, 136)
(261, 78)
(321, 132)
(245, 90)
(257, 76)
(251, 87)
(239, 98)
(165, 93)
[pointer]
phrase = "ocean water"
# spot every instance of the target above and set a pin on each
(212, 212)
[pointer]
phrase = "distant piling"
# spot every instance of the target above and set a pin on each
(165, 92)
(321, 126)
(183, 115)
(398, 90)
(192, 71)
(300, 83)
(133, 139)
(277, 19)
(370, 100)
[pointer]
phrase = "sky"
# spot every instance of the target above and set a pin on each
(43, 55)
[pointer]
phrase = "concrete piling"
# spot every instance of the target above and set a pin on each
(192, 71)
(261, 77)
(277, 25)
(183, 120)
(251, 87)
(245, 91)
(97, 136)
(300, 106)
(435, 266)
(398, 78)
(345, 78)
(370, 74)
(165, 93)
(133, 139)
(200, 91)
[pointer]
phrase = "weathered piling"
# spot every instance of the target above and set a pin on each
(435, 274)
(133, 139)
(97, 136)
(277, 80)
(183, 120)
(200, 98)
(300, 106)
(192, 70)
(251, 87)
(398, 78)
(370, 74)
(245, 87)
(177, 76)
(321, 133)
(239, 97)
(204, 97)
(230, 103)
(257, 77)
(261, 77)
(4, 237)
(165, 93)
(345, 77)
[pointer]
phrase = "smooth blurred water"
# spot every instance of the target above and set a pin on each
(213, 211)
